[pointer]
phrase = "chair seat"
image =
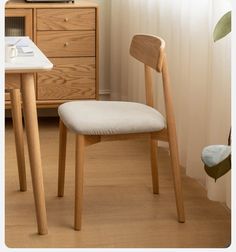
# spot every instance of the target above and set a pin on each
(110, 118)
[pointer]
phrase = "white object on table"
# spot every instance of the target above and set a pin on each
(11, 53)
(37, 62)
(26, 67)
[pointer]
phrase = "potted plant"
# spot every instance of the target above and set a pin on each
(217, 158)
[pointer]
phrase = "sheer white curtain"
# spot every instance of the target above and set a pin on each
(199, 69)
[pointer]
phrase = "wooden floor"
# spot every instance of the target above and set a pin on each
(120, 210)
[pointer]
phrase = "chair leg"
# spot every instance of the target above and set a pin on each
(154, 165)
(79, 173)
(177, 177)
(19, 136)
(62, 158)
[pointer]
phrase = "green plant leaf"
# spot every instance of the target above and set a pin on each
(223, 27)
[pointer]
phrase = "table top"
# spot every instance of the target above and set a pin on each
(36, 62)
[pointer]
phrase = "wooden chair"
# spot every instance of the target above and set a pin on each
(15, 97)
(96, 121)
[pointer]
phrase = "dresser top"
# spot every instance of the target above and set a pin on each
(13, 4)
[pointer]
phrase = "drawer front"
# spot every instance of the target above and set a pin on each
(67, 43)
(11, 81)
(70, 79)
(66, 19)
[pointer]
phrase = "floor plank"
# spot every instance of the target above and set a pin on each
(120, 210)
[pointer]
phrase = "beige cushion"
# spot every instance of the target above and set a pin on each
(110, 118)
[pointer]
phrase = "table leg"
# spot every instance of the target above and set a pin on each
(19, 136)
(32, 132)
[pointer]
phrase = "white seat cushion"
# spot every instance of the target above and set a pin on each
(214, 154)
(110, 118)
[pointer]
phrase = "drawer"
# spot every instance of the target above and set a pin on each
(70, 79)
(66, 19)
(11, 81)
(67, 43)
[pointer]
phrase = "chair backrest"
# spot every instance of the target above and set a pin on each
(149, 50)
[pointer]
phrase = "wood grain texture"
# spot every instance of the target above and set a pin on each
(97, 52)
(28, 16)
(22, 4)
(83, 16)
(148, 49)
(173, 144)
(79, 180)
(154, 165)
(32, 132)
(12, 81)
(120, 210)
(161, 135)
(61, 158)
(19, 136)
(43, 104)
(67, 43)
(71, 78)
(149, 86)
(66, 19)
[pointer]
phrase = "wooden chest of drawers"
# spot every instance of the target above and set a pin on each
(68, 35)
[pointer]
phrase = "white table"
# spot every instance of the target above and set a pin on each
(26, 66)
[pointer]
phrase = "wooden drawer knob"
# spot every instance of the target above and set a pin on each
(66, 44)
(66, 19)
